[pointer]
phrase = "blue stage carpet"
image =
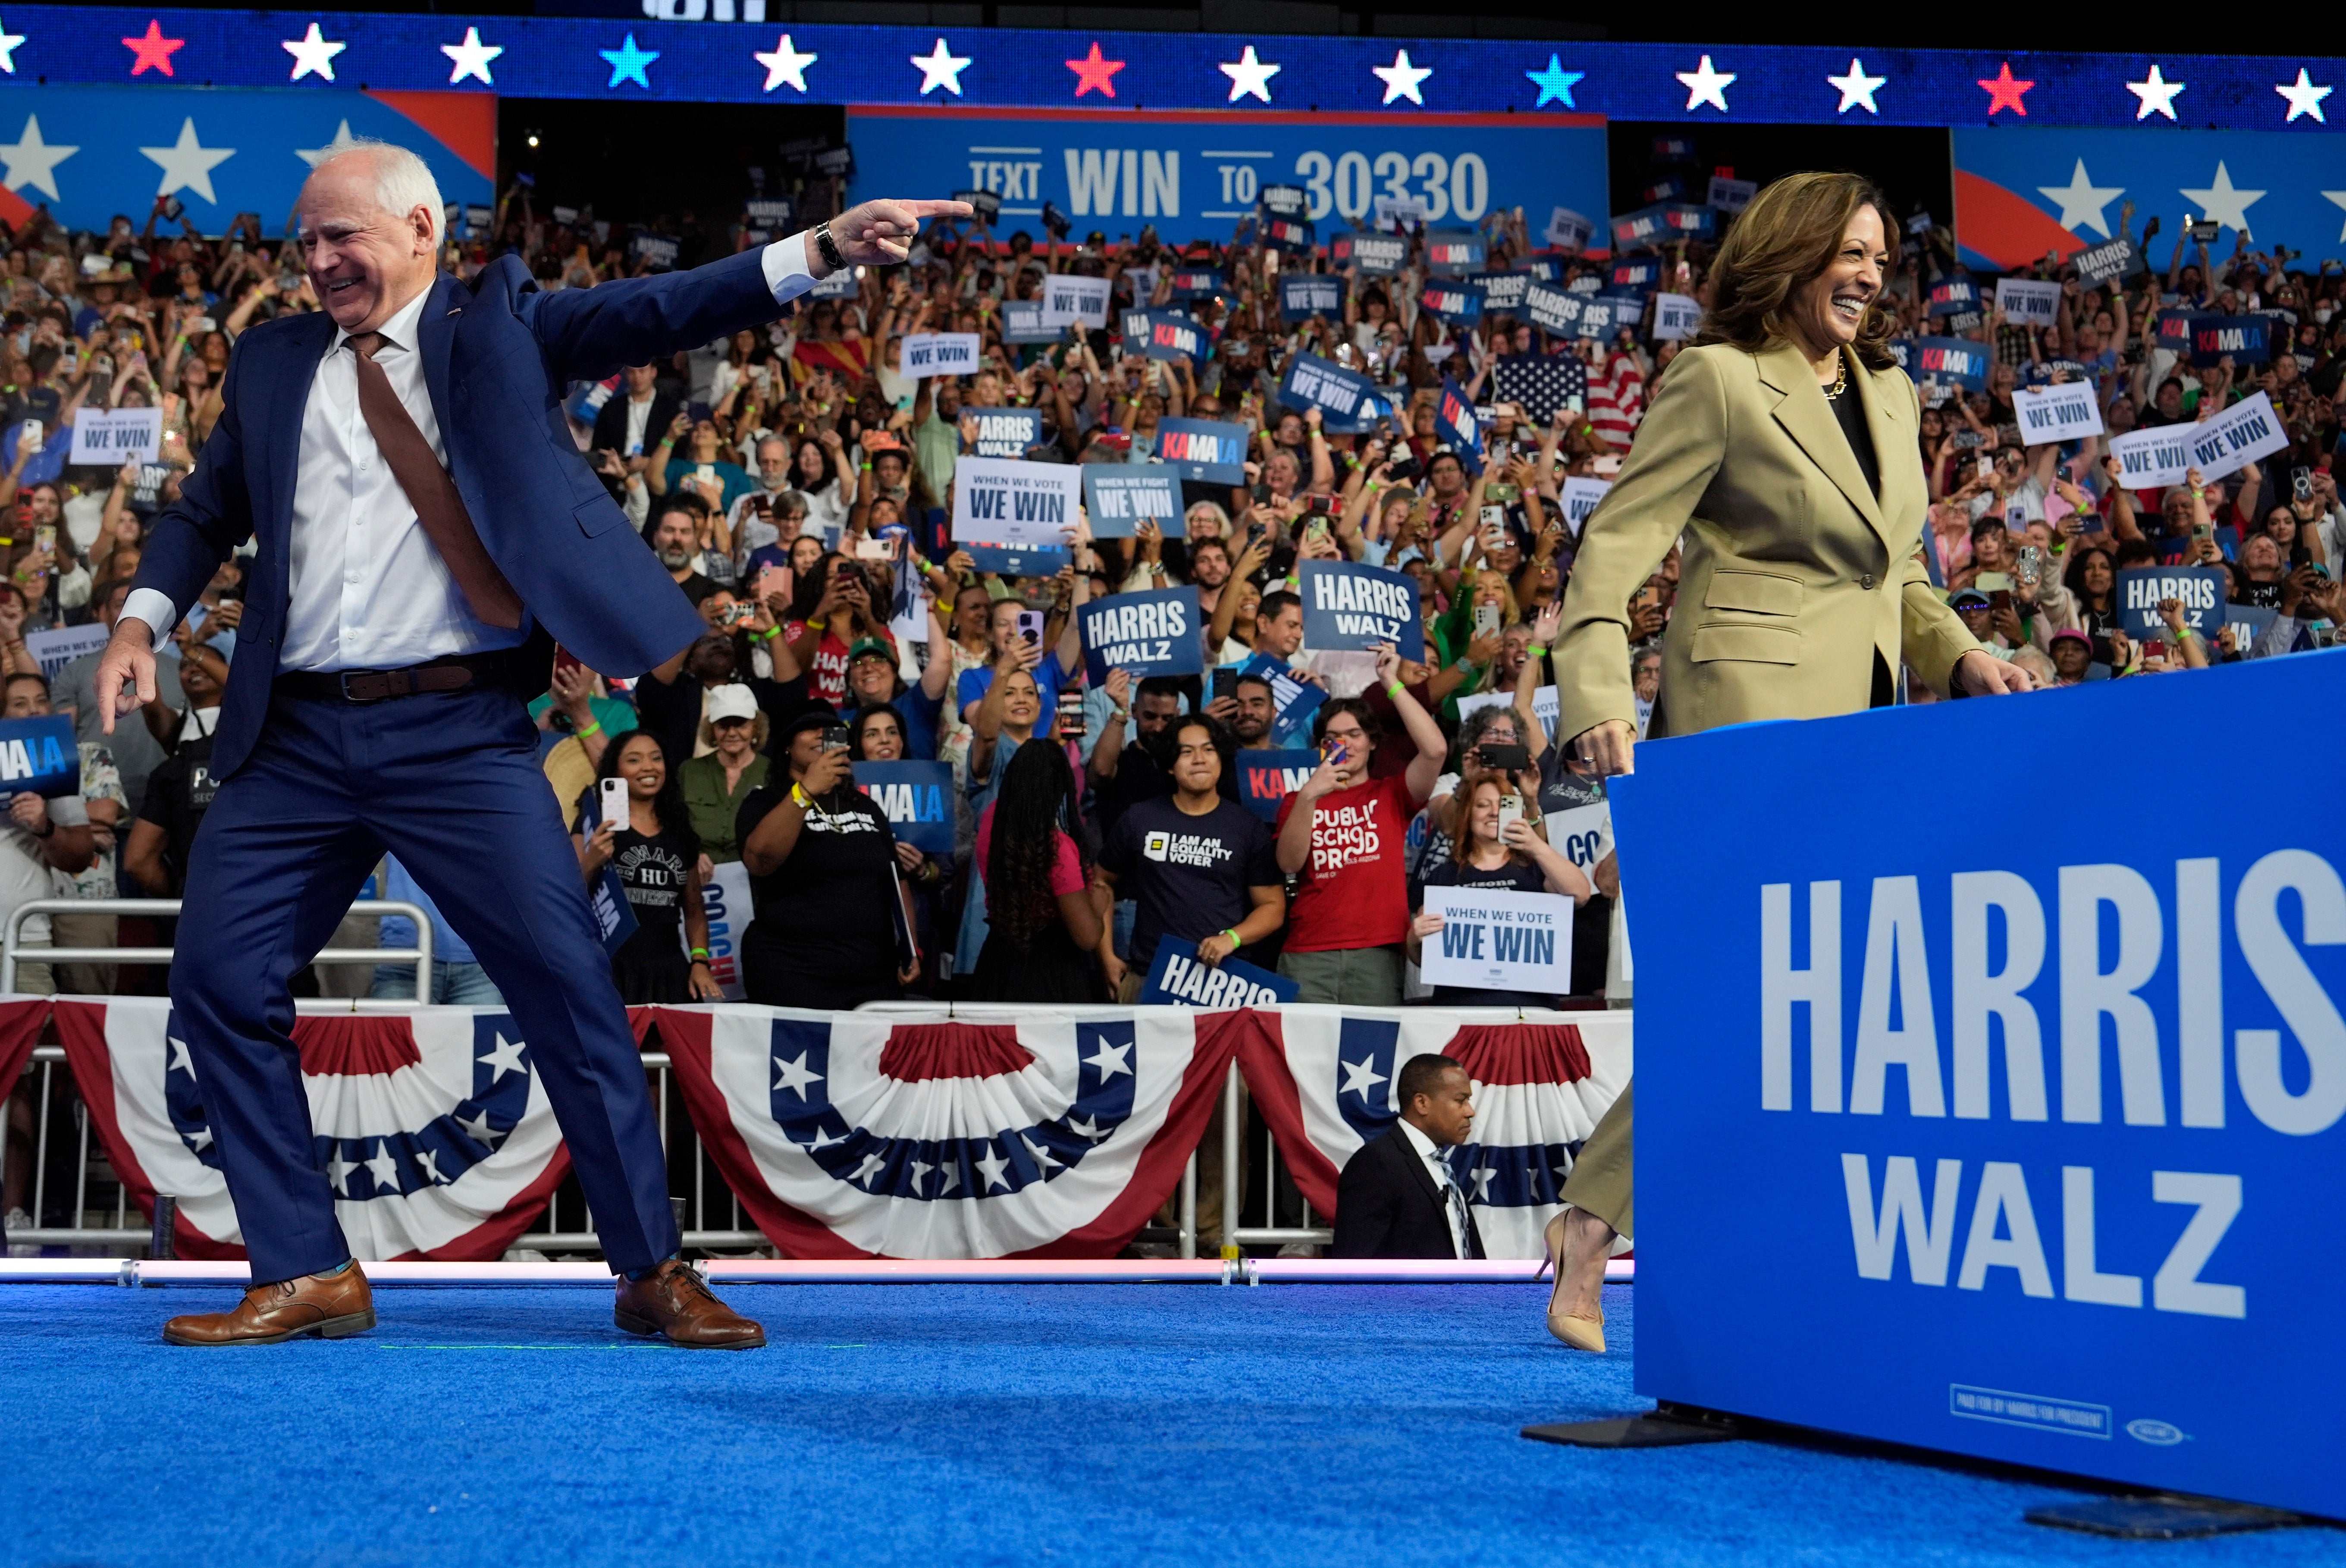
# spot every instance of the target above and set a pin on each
(934, 1425)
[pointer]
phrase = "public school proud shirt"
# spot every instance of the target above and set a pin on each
(1353, 891)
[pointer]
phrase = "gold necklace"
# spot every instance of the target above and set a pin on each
(1840, 380)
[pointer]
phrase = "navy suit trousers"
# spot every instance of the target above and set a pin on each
(449, 782)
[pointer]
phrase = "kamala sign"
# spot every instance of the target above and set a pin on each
(2055, 1121)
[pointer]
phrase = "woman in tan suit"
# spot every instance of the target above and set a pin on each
(1781, 449)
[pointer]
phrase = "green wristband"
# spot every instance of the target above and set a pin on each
(1393, 689)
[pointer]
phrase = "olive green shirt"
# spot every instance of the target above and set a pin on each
(715, 813)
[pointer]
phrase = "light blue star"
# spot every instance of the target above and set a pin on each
(628, 63)
(1554, 83)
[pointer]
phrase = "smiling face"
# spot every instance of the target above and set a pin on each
(643, 765)
(1827, 310)
(365, 262)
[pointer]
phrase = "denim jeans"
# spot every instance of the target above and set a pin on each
(453, 984)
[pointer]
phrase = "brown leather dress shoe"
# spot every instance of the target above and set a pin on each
(331, 1306)
(675, 1303)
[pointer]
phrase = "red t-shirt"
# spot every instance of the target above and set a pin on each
(827, 679)
(1353, 891)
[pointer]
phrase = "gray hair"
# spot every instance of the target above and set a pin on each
(403, 181)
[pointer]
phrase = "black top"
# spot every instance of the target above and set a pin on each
(1189, 875)
(1850, 413)
(179, 792)
(1388, 1206)
(826, 907)
(655, 870)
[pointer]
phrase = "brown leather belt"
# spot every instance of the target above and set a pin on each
(362, 687)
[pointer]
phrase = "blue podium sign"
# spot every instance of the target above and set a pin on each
(2047, 1125)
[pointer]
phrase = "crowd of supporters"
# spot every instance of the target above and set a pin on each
(797, 486)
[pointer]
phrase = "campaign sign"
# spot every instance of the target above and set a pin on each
(986, 205)
(1006, 501)
(1600, 316)
(1460, 425)
(116, 436)
(1291, 235)
(1178, 979)
(1567, 230)
(1303, 295)
(1005, 431)
(928, 354)
(1503, 292)
(1118, 496)
(2026, 302)
(1643, 272)
(2107, 263)
(2064, 412)
(2246, 339)
(1580, 496)
(1347, 401)
(1958, 361)
(2151, 459)
(1267, 778)
(2171, 331)
(1953, 296)
(1671, 190)
(1498, 940)
(918, 798)
(1452, 299)
(57, 647)
(1163, 335)
(1067, 299)
(1203, 450)
(2200, 589)
(1014, 560)
(1732, 195)
(1453, 253)
(1023, 323)
(1676, 317)
(2053, 1122)
(1552, 310)
(1380, 255)
(1352, 607)
(1292, 701)
(39, 755)
(725, 898)
(2236, 437)
(1197, 283)
(1155, 633)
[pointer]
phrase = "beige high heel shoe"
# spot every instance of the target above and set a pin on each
(1580, 1333)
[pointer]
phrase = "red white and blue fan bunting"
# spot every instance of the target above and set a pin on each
(995, 1133)
(430, 1124)
(1325, 1077)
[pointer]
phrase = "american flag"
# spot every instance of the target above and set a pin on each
(1541, 383)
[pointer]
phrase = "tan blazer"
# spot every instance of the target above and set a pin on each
(1795, 576)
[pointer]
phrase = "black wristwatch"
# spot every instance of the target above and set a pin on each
(829, 248)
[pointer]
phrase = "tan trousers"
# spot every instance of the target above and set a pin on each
(85, 930)
(1599, 1182)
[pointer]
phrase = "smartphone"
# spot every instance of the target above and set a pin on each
(835, 737)
(615, 801)
(2202, 531)
(1226, 681)
(1030, 628)
(1992, 583)
(872, 550)
(30, 440)
(1334, 753)
(1511, 809)
(771, 580)
(1486, 620)
(2301, 483)
(44, 538)
(1986, 466)
(2030, 568)
(1071, 712)
(1511, 756)
(2154, 647)
(1494, 520)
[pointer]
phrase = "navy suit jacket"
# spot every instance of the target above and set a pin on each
(1387, 1206)
(497, 358)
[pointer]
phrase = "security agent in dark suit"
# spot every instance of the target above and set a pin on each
(1396, 1198)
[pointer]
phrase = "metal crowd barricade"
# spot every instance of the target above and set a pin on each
(14, 951)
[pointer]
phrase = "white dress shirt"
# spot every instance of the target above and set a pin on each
(369, 590)
(1454, 1199)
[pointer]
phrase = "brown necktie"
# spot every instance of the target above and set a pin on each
(431, 492)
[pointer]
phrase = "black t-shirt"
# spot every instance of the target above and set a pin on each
(653, 870)
(827, 905)
(179, 792)
(1189, 875)
(1138, 778)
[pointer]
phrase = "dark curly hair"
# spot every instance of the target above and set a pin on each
(1787, 236)
(668, 805)
(1035, 804)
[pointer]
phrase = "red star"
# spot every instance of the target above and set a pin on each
(154, 49)
(2004, 93)
(1091, 71)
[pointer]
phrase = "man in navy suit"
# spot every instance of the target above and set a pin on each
(426, 530)
(1397, 1197)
